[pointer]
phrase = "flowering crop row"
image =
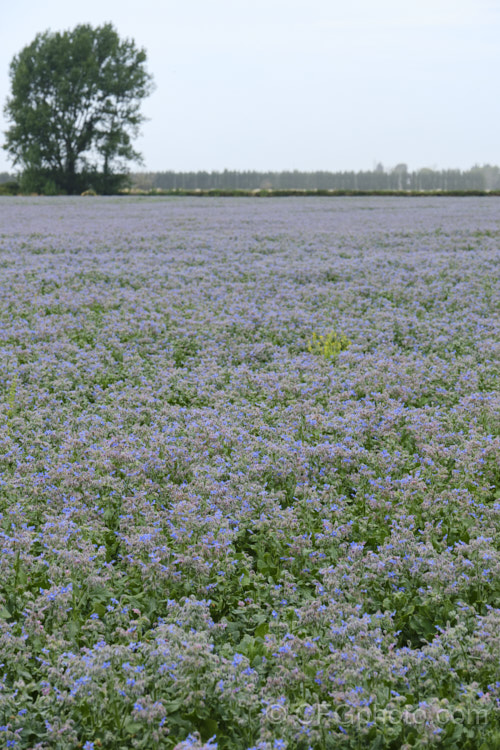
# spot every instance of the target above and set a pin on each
(212, 533)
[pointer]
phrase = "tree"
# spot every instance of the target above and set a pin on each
(75, 107)
(401, 172)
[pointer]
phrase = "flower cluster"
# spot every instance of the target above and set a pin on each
(328, 346)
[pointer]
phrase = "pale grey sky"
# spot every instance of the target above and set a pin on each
(298, 84)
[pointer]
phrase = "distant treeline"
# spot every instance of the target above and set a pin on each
(398, 178)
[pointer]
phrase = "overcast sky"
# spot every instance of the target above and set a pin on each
(298, 84)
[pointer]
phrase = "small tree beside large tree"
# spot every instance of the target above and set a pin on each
(75, 108)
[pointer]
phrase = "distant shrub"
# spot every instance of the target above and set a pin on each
(9, 188)
(50, 188)
(328, 346)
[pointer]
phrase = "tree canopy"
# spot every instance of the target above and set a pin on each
(75, 108)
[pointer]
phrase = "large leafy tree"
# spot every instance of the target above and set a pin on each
(75, 108)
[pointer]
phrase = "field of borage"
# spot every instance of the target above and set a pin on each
(249, 473)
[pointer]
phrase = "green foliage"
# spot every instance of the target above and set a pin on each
(183, 349)
(35, 180)
(75, 98)
(328, 346)
(11, 399)
(11, 187)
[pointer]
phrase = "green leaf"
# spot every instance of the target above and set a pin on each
(246, 644)
(173, 706)
(132, 727)
(262, 630)
(208, 727)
